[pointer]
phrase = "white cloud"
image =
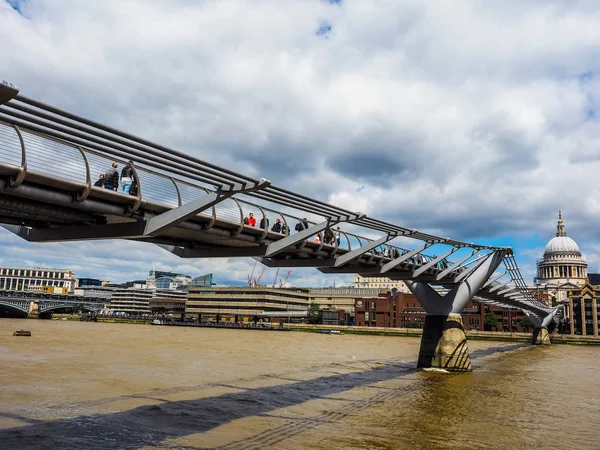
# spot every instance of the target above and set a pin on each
(475, 122)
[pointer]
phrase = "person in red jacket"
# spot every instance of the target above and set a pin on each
(251, 220)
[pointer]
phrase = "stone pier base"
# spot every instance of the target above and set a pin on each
(34, 310)
(444, 345)
(540, 336)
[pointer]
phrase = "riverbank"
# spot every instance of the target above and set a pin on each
(471, 335)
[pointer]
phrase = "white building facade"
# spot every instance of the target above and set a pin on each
(23, 279)
(379, 283)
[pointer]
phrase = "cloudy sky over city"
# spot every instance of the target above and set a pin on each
(475, 120)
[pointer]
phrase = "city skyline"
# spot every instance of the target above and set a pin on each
(331, 109)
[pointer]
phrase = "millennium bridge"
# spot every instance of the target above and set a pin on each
(50, 159)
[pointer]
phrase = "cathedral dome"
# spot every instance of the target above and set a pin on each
(561, 244)
(563, 265)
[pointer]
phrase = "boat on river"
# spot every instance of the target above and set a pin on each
(22, 333)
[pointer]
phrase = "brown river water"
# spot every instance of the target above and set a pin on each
(121, 386)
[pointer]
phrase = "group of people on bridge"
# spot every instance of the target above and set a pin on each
(110, 179)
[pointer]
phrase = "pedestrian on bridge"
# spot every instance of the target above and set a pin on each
(251, 220)
(127, 177)
(277, 226)
(100, 182)
(111, 178)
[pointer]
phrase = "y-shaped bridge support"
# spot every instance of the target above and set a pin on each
(444, 344)
(541, 334)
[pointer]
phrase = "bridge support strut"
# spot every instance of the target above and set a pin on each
(444, 343)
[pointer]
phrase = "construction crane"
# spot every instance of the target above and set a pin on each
(276, 275)
(251, 274)
(262, 272)
(283, 282)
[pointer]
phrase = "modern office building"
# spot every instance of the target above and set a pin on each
(25, 278)
(95, 291)
(245, 302)
(168, 302)
(167, 280)
(81, 282)
(253, 301)
(203, 281)
(131, 301)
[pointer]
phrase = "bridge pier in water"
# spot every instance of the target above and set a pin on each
(34, 310)
(444, 343)
(542, 328)
(541, 336)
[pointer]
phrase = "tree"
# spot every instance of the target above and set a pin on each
(525, 323)
(491, 321)
(314, 313)
(414, 324)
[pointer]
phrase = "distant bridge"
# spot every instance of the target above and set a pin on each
(21, 302)
(49, 159)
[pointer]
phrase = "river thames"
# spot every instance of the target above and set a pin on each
(121, 386)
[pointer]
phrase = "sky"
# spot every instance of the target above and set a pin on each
(475, 120)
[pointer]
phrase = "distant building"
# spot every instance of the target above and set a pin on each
(594, 279)
(95, 291)
(584, 309)
(136, 284)
(340, 298)
(171, 280)
(23, 279)
(170, 283)
(405, 311)
(88, 282)
(168, 302)
(203, 281)
(131, 301)
(382, 283)
(244, 303)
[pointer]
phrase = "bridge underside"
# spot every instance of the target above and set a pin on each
(12, 311)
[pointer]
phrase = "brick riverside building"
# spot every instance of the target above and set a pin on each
(405, 311)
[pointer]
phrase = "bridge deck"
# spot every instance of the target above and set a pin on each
(49, 160)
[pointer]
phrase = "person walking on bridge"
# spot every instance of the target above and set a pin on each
(277, 227)
(127, 177)
(111, 178)
(100, 182)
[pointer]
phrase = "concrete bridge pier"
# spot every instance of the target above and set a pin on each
(543, 327)
(540, 336)
(444, 343)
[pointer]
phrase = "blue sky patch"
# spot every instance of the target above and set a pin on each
(585, 77)
(16, 5)
(324, 30)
